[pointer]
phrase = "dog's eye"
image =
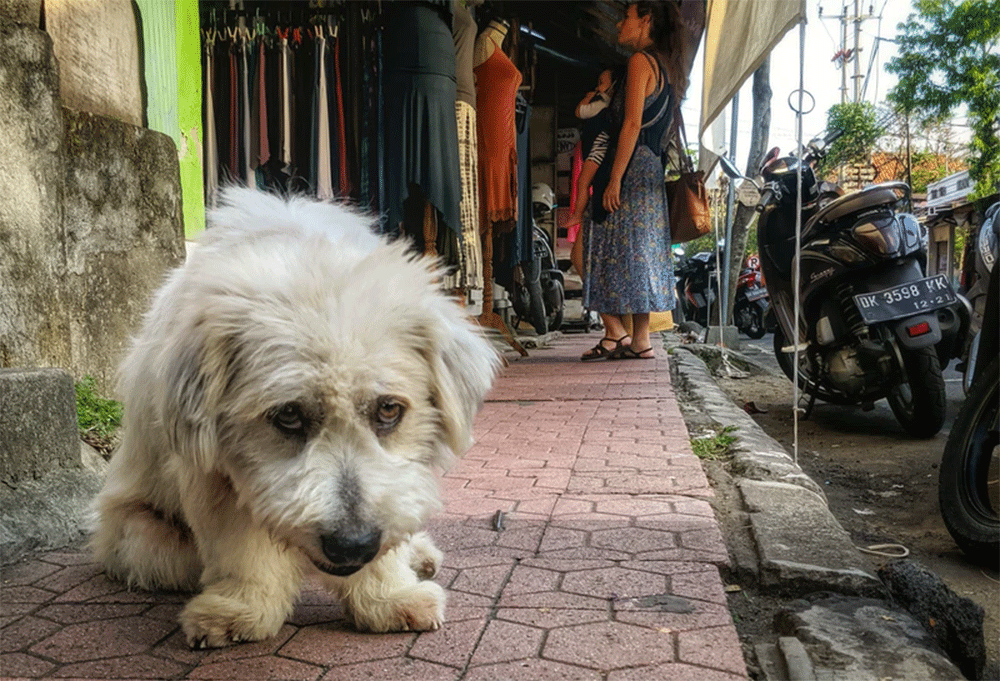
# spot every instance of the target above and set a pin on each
(388, 413)
(288, 419)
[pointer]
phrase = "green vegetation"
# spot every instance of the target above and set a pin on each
(99, 418)
(714, 446)
(949, 57)
(861, 131)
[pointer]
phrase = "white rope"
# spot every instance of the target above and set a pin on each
(885, 550)
(798, 246)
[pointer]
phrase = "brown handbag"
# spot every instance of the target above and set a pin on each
(687, 197)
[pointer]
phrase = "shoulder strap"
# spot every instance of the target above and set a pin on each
(660, 86)
(684, 163)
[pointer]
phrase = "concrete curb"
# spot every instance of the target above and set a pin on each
(52, 511)
(800, 547)
(781, 533)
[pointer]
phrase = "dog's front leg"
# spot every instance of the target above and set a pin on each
(249, 582)
(389, 595)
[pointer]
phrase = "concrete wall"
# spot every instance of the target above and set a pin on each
(97, 46)
(124, 230)
(90, 219)
(33, 324)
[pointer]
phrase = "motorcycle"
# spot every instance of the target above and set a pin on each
(696, 288)
(983, 258)
(752, 302)
(968, 489)
(871, 325)
(538, 288)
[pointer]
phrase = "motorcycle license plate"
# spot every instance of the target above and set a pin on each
(756, 293)
(904, 300)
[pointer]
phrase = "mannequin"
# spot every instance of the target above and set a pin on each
(497, 80)
(491, 38)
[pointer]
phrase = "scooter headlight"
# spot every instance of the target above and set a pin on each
(881, 236)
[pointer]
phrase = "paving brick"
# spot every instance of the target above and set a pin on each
(614, 583)
(507, 641)
(332, 645)
(20, 664)
(93, 640)
(486, 581)
(674, 672)
(531, 670)
(452, 645)
(26, 572)
(717, 648)
(551, 618)
(609, 645)
(395, 669)
(27, 594)
(25, 632)
(135, 667)
(262, 668)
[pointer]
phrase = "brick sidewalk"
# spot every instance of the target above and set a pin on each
(603, 565)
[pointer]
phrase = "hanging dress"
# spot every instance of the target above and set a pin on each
(470, 272)
(629, 265)
(421, 135)
(497, 81)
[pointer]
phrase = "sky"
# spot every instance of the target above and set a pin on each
(821, 76)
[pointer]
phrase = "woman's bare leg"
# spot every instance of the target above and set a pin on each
(582, 191)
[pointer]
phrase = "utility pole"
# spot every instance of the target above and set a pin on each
(843, 56)
(857, 50)
(856, 18)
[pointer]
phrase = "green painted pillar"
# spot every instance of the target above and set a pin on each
(172, 49)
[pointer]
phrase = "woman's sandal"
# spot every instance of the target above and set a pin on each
(629, 353)
(599, 351)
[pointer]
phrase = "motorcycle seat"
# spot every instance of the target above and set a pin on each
(869, 197)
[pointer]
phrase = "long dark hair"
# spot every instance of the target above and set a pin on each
(668, 34)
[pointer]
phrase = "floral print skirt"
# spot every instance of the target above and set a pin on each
(628, 259)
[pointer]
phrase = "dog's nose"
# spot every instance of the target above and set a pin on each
(348, 552)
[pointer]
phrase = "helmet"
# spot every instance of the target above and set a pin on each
(543, 194)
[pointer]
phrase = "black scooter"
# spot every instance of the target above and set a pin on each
(696, 288)
(871, 325)
(751, 305)
(968, 490)
(537, 294)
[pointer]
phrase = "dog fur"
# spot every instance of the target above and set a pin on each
(297, 388)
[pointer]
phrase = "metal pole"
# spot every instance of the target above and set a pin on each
(730, 204)
(843, 53)
(857, 50)
(798, 246)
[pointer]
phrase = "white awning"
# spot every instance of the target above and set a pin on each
(739, 34)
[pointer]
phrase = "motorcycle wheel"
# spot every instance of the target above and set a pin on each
(970, 468)
(919, 403)
(787, 363)
(556, 297)
(536, 303)
(749, 320)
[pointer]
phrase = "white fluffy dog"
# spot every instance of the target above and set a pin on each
(296, 389)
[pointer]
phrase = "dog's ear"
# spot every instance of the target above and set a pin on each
(464, 365)
(197, 374)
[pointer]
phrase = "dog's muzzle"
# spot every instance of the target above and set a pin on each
(348, 552)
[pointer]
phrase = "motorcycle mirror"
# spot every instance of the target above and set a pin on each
(729, 169)
(771, 155)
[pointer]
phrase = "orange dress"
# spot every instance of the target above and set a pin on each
(497, 80)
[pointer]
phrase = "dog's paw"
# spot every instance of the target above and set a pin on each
(417, 608)
(423, 610)
(213, 621)
(425, 558)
